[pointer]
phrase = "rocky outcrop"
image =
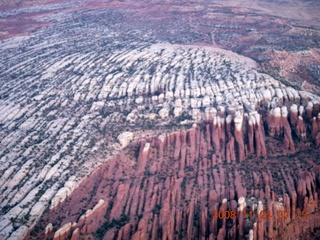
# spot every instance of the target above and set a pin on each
(279, 126)
(171, 186)
(125, 138)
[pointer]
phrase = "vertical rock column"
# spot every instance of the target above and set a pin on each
(261, 223)
(293, 116)
(222, 231)
(314, 128)
(317, 139)
(288, 142)
(216, 132)
(274, 122)
(251, 125)
(230, 149)
(309, 110)
(301, 129)
(239, 136)
(261, 149)
(240, 215)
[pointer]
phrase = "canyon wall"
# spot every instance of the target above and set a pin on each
(263, 167)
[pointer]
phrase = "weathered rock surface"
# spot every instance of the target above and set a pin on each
(172, 188)
(77, 92)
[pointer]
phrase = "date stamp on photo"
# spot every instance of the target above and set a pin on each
(281, 214)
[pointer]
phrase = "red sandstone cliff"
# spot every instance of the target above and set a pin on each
(169, 187)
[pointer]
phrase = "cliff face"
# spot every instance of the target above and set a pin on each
(169, 187)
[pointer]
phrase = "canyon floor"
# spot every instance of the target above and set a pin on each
(159, 120)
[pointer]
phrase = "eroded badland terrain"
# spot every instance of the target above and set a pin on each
(148, 119)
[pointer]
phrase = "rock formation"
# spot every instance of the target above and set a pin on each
(120, 120)
(174, 188)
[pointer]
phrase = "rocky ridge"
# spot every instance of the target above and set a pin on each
(173, 184)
